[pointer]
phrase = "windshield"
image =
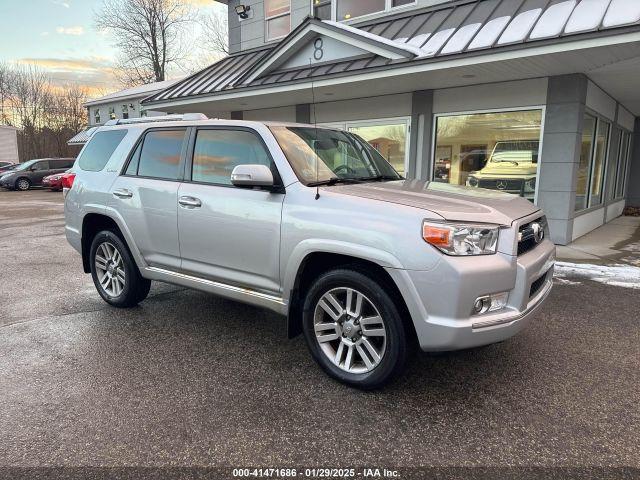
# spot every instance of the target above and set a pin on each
(25, 165)
(519, 151)
(322, 155)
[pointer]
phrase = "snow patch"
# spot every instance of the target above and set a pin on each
(618, 275)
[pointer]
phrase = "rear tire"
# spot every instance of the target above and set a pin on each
(23, 184)
(354, 329)
(115, 273)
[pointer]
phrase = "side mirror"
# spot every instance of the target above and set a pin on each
(252, 176)
(33, 169)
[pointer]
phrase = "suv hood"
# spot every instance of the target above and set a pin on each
(451, 202)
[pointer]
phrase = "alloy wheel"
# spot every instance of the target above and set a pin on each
(23, 184)
(350, 330)
(110, 269)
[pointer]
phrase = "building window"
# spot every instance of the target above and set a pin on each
(322, 9)
(277, 16)
(498, 151)
(624, 153)
(601, 149)
(96, 116)
(593, 157)
(348, 9)
(125, 111)
(112, 113)
(389, 137)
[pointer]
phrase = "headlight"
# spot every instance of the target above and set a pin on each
(472, 182)
(530, 185)
(461, 239)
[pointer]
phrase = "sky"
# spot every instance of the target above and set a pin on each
(59, 36)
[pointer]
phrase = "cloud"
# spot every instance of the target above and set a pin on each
(44, 34)
(76, 30)
(62, 3)
(94, 73)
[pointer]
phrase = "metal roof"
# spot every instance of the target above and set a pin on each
(139, 91)
(455, 28)
(82, 137)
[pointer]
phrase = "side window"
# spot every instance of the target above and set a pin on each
(160, 154)
(99, 150)
(132, 168)
(218, 152)
(42, 166)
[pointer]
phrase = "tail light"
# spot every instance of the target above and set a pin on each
(67, 180)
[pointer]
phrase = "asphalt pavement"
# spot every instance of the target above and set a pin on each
(189, 380)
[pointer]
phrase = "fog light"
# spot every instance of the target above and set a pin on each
(490, 303)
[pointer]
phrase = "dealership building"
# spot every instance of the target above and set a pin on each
(535, 97)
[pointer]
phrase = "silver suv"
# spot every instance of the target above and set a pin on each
(311, 223)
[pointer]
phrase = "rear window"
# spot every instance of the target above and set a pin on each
(99, 150)
(160, 154)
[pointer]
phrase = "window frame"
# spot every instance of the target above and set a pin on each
(388, 8)
(278, 184)
(188, 132)
(273, 17)
(590, 169)
(434, 135)
(622, 163)
(378, 122)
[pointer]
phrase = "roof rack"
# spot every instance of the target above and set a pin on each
(186, 117)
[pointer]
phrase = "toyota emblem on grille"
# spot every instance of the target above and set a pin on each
(501, 185)
(538, 232)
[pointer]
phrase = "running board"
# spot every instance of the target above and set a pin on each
(232, 292)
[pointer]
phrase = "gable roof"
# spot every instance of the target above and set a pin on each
(464, 27)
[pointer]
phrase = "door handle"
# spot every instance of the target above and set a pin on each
(122, 193)
(190, 202)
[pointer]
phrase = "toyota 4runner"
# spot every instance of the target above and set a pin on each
(311, 223)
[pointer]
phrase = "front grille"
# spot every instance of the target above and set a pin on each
(527, 240)
(537, 285)
(505, 185)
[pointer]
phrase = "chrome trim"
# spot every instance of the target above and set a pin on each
(218, 285)
(531, 306)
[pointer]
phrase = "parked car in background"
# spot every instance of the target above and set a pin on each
(6, 166)
(54, 182)
(312, 223)
(30, 174)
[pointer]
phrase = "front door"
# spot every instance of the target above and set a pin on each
(146, 195)
(229, 234)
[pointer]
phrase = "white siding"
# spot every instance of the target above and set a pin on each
(8, 144)
(600, 102)
(491, 96)
(281, 114)
(387, 106)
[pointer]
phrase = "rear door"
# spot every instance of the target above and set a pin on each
(227, 233)
(38, 172)
(146, 194)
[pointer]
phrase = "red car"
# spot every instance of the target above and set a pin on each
(54, 182)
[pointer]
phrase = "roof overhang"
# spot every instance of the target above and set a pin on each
(308, 31)
(584, 55)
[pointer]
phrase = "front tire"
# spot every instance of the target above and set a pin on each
(23, 184)
(115, 273)
(354, 330)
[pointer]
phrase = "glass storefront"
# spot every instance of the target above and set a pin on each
(497, 150)
(389, 136)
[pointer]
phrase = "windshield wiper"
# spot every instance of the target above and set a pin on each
(334, 180)
(379, 178)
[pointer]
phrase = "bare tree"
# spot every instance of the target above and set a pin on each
(215, 32)
(149, 35)
(5, 82)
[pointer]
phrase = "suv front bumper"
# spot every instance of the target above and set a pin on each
(441, 300)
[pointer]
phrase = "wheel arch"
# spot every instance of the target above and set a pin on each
(315, 263)
(94, 222)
